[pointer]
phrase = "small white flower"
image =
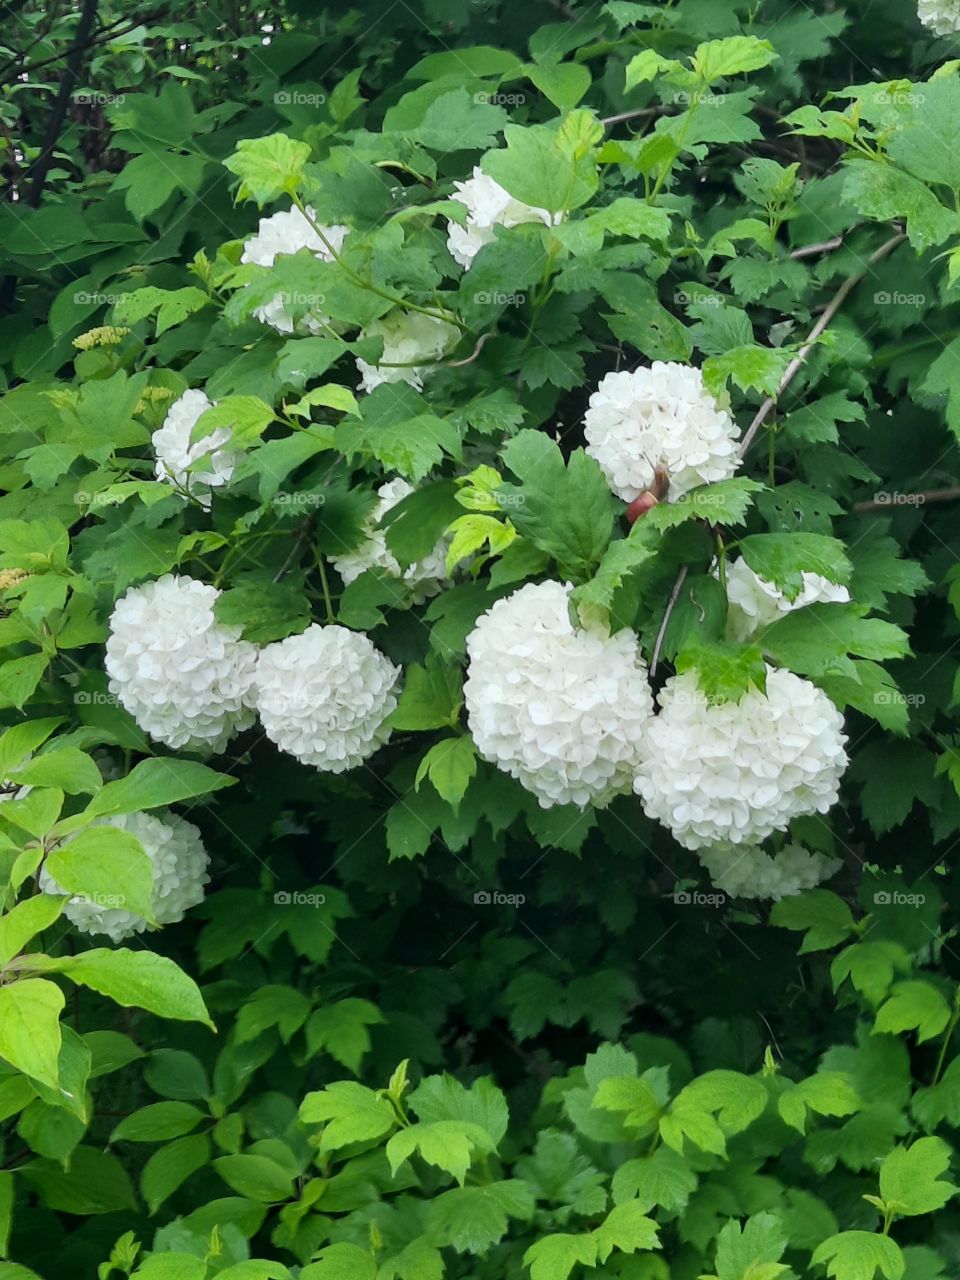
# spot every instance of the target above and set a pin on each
(755, 603)
(287, 233)
(175, 453)
(659, 416)
(488, 205)
(426, 576)
(179, 860)
(941, 16)
(736, 772)
(750, 873)
(184, 677)
(323, 696)
(562, 708)
(408, 337)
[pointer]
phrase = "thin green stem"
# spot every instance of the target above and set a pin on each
(395, 298)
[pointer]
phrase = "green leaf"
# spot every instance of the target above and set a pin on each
(824, 917)
(725, 502)
(350, 1113)
(158, 1122)
(341, 1262)
(107, 866)
(245, 417)
(170, 1166)
(451, 765)
(715, 59)
(882, 192)
(566, 510)
(150, 785)
(431, 698)
(138, 979)
(828, 1093)
(725, 672)
(539, 168)
(859, 1255)
(341, 1030)
(813, 640)
(268, 167)
(30, 1028)
(24, 921)
(753, 1250)
(663, 1178)
(255, 1177)
(783, 558)
(913, 1006)
(712, 1108)
(564, 83)
(68, 768)
(448, 1144)
(910, 1181)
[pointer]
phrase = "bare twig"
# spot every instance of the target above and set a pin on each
(789, 374)
(481, 341)
(889, 500)
(814, 250)
(793, 368)
(71, 71)
(674, 596)
(629, 115)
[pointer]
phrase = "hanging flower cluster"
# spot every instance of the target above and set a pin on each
(562, 708)
(180, 862)
(184, 677)
(412, 344)
(176, 455)
(750, 873)
(189, 681)
(488, 206)
(739, 771)
(426, 577)
(661, 416)
(754, 603)
(285, 233)
(941, 16)
(323, 696)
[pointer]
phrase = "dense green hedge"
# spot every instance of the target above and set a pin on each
(420, 1025)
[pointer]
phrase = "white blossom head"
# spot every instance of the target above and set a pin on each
(425, 577)
(941, 16)
(564, 709)
(176, 455)
(408, 338)
(488, 205)
(179, 861)
(184, 677)
(287, 233)
(323, 696)
(754, 603)
(659, 416)
(738, 771)
(747, 872)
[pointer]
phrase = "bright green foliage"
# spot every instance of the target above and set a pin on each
(421, 1028)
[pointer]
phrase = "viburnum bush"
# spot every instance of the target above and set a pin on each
(478, 613)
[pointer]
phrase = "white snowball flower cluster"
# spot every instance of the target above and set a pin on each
(563, 709)
(184, 677)
(408, 337)
(175, 453)
(488, 205)
(755, 603)
(426, 576)
(286, 233)
(323, 696)
(738, 771)
(941, 16)
(659, 416)
(750, 873)
(180, 863)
